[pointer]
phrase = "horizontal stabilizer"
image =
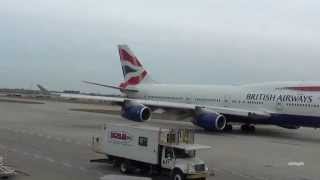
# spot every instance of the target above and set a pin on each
(112, 87)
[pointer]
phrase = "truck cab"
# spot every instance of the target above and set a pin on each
(182, 163)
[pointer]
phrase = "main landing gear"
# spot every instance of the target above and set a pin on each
(247, 128)
(228, 128)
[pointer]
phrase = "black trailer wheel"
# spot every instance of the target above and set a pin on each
(177, 175)
(124, 167)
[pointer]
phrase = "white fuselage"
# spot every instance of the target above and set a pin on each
(267, 97)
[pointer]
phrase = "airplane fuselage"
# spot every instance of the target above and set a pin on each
(287, 106)
(215, 107)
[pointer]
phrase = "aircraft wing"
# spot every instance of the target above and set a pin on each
(112, 87)
(192, 107)
(90, 97)
(171, 106)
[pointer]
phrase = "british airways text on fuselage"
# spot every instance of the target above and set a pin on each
(280, 98)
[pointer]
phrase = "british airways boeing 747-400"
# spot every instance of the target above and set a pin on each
(216, 107)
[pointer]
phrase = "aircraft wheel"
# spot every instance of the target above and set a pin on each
(244, 128)
(248, 128)
(227, 128)
(252, 129)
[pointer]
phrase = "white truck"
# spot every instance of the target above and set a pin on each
(152, 150)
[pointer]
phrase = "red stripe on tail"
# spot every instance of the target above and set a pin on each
(125, 56)
(134, 80)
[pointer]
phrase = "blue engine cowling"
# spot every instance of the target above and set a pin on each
(210, 121)
(136, 112)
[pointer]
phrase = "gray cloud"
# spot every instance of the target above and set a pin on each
(59, 43)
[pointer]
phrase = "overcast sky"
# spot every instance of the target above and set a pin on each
(59, 43)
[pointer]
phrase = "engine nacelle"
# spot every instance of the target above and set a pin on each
(210, 121)
(136, 112)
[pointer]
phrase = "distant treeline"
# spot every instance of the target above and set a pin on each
(20, 91)
(29, 91)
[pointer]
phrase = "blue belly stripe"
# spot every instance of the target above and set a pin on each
(280, 119)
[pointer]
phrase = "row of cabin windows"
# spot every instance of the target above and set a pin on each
(181, 98)
(246, 102)
(255, 102)
(288, 104)
(304, 105)
(165, 97)
(234, 101)
(208, 100)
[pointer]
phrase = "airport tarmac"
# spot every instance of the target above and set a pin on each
(48, 141)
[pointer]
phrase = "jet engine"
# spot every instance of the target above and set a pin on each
(136, 112)
(210, 120)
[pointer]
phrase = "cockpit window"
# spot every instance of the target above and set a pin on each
(181, 153)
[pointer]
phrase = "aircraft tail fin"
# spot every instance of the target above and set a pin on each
(133, 71)
(42, 89)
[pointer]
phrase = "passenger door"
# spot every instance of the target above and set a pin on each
(226, 100)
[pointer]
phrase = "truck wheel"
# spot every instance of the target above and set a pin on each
(124, 167)
(177, 175)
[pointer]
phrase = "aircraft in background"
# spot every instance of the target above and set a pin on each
(46, 93)
(216, 107)
(43, 90)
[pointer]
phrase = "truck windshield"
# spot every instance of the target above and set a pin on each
(181, 153)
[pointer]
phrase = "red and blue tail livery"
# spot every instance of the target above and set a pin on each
(132, 69)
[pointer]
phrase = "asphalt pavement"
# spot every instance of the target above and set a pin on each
(48, 141)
